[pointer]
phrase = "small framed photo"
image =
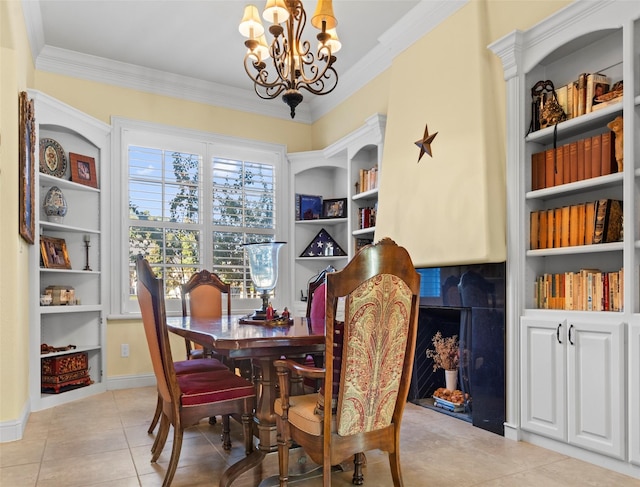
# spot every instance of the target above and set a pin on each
(83, 170)
(308, 207)
(54, 253)
(335, 208)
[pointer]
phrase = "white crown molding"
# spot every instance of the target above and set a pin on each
(416, 23)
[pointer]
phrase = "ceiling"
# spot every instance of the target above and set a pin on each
(192, 48)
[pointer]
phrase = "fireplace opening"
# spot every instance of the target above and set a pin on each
(467, 301)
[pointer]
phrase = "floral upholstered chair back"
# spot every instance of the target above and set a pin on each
(374, 347)
(378, 343)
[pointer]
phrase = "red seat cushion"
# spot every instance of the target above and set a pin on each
(201, 365)
(216, 386)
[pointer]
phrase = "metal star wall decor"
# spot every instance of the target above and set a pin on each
(425, 143)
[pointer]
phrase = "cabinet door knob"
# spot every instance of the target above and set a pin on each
(558, 333)
(570, 328)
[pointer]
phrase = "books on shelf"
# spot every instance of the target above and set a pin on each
(367, 217)
(581, 159)
(368, 179)
(597, 85)
(593, 222)
(584, 290)
(587, 93)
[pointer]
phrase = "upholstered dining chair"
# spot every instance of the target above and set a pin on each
(187, 398)
(379, 289)
(202, 295)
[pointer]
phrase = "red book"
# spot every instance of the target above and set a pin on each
(566, 165)
(541, 171)
(550, 168)
(559, 167)
(587, 158)
(609, 165)
(580, 152)
(573, 162)
(596, 156)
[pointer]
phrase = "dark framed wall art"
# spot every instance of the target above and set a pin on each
(26, 177)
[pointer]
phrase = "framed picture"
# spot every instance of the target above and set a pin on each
(336, 208)
(26, 178)
(54, 253)
(83, 170)
(308, 207)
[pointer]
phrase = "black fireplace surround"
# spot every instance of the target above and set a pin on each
(470, 304)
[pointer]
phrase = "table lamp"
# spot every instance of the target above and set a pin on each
(263, 266)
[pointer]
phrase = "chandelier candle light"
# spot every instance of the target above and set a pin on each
(293, 65)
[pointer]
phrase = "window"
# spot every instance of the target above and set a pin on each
(191, 201)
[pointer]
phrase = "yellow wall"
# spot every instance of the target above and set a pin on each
(16, 74)
(450, 208)
(448, 79)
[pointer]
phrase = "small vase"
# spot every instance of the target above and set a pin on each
(55, 205)
(451, 379)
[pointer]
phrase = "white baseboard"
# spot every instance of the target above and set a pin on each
(13, 429)
(130, 381)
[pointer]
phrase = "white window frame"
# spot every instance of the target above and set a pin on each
(128, 132)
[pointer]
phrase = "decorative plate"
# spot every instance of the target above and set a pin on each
(52, 158)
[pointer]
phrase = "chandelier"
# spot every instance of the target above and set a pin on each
(293, 65)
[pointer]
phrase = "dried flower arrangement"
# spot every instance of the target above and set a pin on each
(446, 352)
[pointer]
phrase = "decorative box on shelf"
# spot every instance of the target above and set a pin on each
(61, 295)
(64, 372)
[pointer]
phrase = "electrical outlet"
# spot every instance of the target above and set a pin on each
(124, 350)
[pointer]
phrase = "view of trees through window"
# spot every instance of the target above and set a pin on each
(185, 215)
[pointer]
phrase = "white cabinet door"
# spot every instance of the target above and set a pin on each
(543, 377)
(634, 391)
(596, 375)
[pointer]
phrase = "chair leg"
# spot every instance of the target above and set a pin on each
(358, 460)
(226, 432)
(394, 463)
(283, 457)
(161, 439)
(156, 415)
(326, 474)
(175, 455)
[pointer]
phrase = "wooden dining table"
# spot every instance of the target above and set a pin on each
(262, 344)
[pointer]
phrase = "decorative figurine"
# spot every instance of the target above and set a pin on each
(269, 312)
(285, 313)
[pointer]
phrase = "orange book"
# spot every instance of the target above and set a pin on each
(590, 222)
(596, 156)
(543, 229)
(541, 170)
(580, 146)
(559, 167)
(573, 226)
(557, 228)
(551, 228)
(566, 165)
(534, 230)
(608, 165)
(587, 158)
(581, 223)
(573, 162)
(534, 172)
(565, 225)
(550, 168)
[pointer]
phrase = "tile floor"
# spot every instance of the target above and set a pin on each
(103, 441)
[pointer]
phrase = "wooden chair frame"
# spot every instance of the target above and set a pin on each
(329, 448)
(151, 298)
